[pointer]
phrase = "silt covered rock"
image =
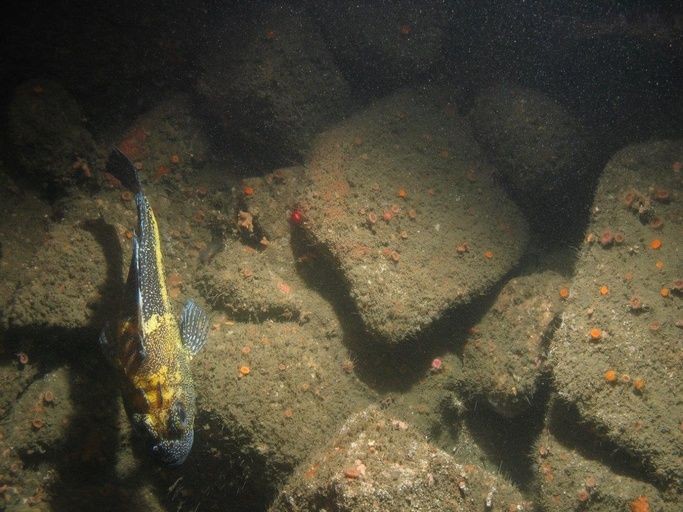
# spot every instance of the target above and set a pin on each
(46, 129)
(382, 464)
(504, 354)
(616, 355)
(404, 204)
(385, 44)
(574, 473)
(272, 83)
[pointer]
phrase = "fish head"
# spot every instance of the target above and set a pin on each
(168, 432)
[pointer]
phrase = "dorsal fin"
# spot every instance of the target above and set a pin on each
(120, 166)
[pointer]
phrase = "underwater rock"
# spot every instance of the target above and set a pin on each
(403, 202)
(169, 138)
(270, 200)
(271, 83)
(375, 462)
(14, 379)
(39, 420)
(616, 354)
(250, 285)
(68, 278)
(45, 127)
(504, 354)
(270, 390)
(574, 475)
(382, 45)
(537, 145)
(541, 152)
(22, 217)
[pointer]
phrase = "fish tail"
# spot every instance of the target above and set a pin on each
(120, 166)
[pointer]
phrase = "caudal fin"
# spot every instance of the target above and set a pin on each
(120, 166)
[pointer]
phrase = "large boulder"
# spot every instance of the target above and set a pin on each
(575, 472)
(46, 129)
(404, 204)
(379, 463)
(504, 354)
(616, 355)
(541, 152)
(271, 83)
(382, 45)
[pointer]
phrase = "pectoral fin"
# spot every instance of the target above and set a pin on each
(107, 348)
(194, 327)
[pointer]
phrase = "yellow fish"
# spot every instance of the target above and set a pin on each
(150, 348)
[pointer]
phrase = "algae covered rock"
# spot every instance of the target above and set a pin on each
(270, 201)
(404, 204)
(382, 45)
(382, 464)
(538, 147)
(504, 354)
(77, 265)
(46, 129)
(616, 354)
(169, 138)
(574, 473)
(271, 83)
(39, 421)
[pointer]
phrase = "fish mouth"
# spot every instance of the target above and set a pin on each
(173, 452)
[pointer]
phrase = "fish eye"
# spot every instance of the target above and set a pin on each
(178, 420)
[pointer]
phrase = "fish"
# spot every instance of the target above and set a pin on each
(148, 345)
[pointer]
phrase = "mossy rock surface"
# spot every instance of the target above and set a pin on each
(376, 462)
(404, 204)
(626, 290)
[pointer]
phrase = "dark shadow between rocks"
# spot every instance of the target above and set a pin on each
(572, 431)
(388, 368)
(216, 475)
(508, 441)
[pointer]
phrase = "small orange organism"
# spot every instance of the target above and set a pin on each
(610, 376)
(656, 244)
(402, 193)
(639, 384)
(564, 292)
(248, 191)
(604, 290)
(664, 292)
(595, 334)
(656, 223)
(640, 504)
(175, 159)
(245, 370)
(659, 264)
(488, 255)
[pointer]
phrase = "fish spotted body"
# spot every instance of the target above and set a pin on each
(150, 348)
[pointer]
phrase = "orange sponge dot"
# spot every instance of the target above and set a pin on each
(604, 290)
(664, 292)
(610, 376)
(564, 292)
(595, 333)
(655, 244)
(640, 504)
(639, 384)
(488, 255)
(245, 370)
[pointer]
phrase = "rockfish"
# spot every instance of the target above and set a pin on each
(149, 347)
